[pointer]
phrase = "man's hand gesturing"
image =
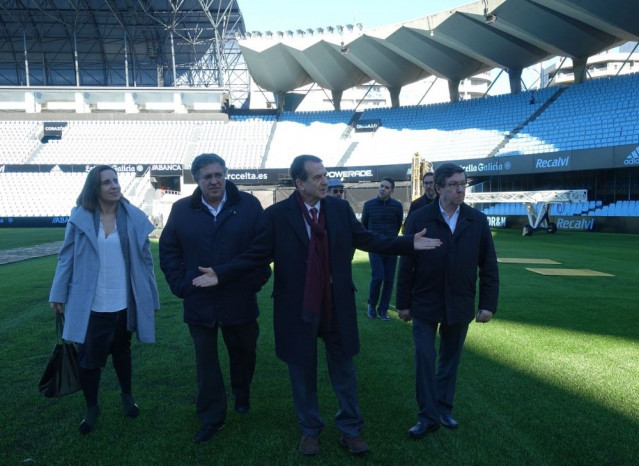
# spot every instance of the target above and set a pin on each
(421, 243)
(208, 278)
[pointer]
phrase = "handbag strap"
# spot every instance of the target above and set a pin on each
(59, 325)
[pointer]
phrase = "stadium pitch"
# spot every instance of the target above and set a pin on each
(551, 380)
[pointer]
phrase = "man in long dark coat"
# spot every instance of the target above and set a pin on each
(310, 238)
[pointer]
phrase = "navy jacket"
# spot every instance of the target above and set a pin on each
(384, 217)
(419, 202)
(283, 239)
(193, 237)
(440, 285)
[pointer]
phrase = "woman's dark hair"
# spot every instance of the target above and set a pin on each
(298, 167)
(90, 193)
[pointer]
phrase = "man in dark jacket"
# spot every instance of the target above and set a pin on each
(437, 289)
(428, 182)
(216, 223)
(383, 215)
(309, 237)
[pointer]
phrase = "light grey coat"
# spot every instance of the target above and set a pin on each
(76, 275)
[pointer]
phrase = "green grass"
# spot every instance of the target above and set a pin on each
(22, 237)
(552, 380)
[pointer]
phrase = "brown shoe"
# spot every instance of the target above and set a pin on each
(355, 445)
(309, 445)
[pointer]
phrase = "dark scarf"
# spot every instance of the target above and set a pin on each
(121, 221)
(317, 288)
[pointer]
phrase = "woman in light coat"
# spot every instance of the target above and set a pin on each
(105, 285)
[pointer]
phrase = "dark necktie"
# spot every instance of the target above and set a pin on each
(314, 215)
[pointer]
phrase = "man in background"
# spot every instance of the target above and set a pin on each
(428, 182)
(335, 188)
(216, 223)
(383, 215)
(436, 289)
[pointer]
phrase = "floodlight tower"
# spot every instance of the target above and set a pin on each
(222, 65)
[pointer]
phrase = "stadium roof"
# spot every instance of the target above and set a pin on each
(117, 42)
(453, 45)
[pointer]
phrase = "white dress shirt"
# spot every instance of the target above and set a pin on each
(452, 220)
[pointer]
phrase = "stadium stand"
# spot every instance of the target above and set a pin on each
(125, 141)
(601, 112)
(318, 133)
(587, 209)
(18, 139)
(243, 142)
(118, 141)
(604, 112)
(448, 131)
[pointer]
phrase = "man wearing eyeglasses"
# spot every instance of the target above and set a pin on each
(213, 225)
(428, 182)
(436, 289)
(335, 188)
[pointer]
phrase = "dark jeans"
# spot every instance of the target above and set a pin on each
(106, 334)
(241, 343)
(382, 278)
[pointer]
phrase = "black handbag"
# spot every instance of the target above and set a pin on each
(61, 375)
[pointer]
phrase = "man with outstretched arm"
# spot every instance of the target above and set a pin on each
(309, 237)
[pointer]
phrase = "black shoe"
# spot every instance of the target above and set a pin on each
(242, 407)
(130, 407)
(355, 445)
(90, 420)
(207, 431)
(448, 421)
(421, 430)
(309, 445)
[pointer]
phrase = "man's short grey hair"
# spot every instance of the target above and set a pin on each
(298, 167)
(203, 160)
